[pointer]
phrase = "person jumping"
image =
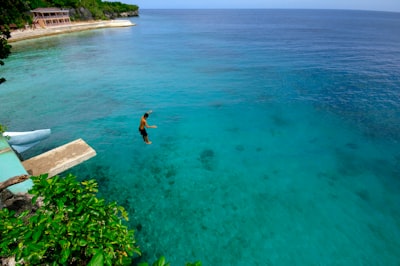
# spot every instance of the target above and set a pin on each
(143, 125)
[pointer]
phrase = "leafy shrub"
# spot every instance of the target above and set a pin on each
(72, 226)
(162, 262)
(2, 129)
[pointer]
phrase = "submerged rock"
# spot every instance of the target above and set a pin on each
(207, 158)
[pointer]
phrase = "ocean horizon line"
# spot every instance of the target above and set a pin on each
(269, 8)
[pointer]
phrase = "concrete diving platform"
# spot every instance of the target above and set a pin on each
(59, 159)
(11, 166)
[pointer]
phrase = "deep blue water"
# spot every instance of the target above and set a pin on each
(278, 130)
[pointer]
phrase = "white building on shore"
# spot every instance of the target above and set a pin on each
(50, 16)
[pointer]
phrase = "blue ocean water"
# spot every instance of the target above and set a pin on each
(278, 130)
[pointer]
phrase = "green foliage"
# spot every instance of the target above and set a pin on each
(72, 226)
(117, 7)
(2, 129)
(162, 262)
(5, 48)
(38, 3)
(14, 12)
(99, 8)
(197, 263)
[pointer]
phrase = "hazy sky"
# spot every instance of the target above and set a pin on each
(382, 5)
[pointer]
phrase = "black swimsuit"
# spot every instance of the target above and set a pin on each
(143, 132)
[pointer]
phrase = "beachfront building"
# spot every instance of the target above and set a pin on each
(50, 16)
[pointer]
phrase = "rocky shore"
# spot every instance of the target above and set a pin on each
(16, 202)
(19, 203)
(26, 34)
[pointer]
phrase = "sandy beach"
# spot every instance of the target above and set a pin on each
(26, 34)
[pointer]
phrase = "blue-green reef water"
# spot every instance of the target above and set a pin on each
(278, 139)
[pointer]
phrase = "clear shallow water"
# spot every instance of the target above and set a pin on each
(277, 139)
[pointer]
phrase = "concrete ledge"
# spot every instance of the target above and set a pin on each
(59, 159)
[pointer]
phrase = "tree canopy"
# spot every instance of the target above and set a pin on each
(14, 12)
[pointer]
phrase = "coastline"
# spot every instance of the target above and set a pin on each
(26, 34)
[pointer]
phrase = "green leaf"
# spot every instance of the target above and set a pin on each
(197, 263)
(65, 255)
(64, 244)
(97, 260)
(82, 242)
(60, 204)
(160, 262)
(28, 235)
(37, 234)
(34, 199)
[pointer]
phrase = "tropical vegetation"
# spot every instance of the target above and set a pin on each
(70, 227)
(16, 12)
(5, 48)
(2, 129)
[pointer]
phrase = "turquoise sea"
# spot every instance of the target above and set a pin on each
(278, 139)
